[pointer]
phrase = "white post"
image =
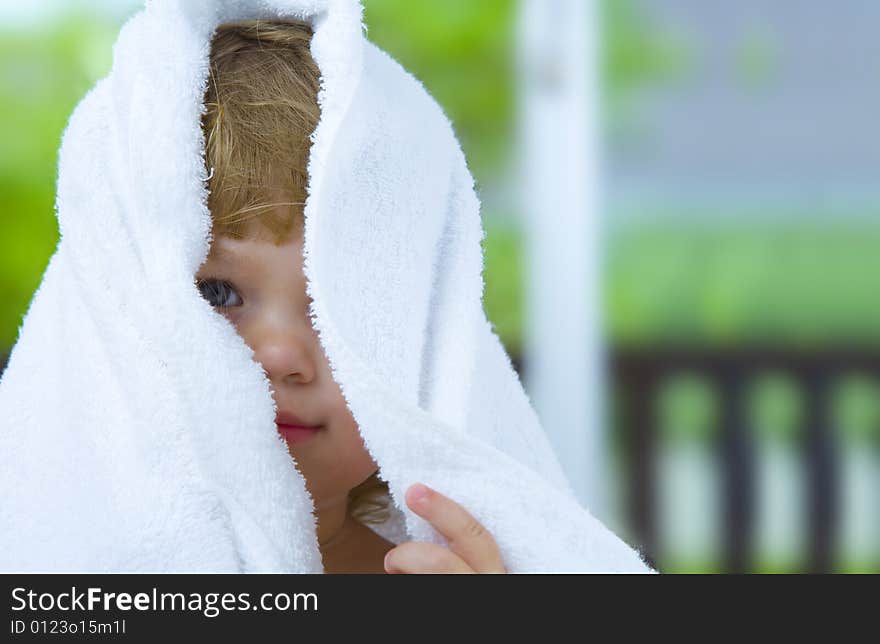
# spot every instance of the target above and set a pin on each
(558, 172)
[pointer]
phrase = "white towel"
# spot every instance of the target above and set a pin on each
(137, 432)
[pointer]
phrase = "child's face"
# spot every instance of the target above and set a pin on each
(260, 288)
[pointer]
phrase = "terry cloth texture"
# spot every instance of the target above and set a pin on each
(137, 432)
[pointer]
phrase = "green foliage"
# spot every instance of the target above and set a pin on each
(636, 52)
(503, 278)
(856, 406)
(688, 408)
(758, 59)
(702, 281)
(42, 76)
(776, 408)
(462, 51)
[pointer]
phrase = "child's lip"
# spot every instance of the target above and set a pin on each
(297, 434)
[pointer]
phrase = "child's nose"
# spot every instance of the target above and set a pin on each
(287, 357)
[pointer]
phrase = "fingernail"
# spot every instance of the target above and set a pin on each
(387, 562)
(419, 493)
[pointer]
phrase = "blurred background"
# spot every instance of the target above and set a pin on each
(682, 253)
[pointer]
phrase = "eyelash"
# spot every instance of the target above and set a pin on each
(212, 287)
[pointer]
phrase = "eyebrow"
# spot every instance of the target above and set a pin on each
(221, 254)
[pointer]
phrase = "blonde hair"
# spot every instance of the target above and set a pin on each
(261, 107)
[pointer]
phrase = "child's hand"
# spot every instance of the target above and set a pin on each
(471, 548)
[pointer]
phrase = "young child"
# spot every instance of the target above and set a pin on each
(260, 345)
(261, 107)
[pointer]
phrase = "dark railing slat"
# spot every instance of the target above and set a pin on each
(737, 472)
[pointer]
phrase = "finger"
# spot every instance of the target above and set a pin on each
(418, 557)
(465, 535)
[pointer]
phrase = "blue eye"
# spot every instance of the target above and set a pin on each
(218, 293)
